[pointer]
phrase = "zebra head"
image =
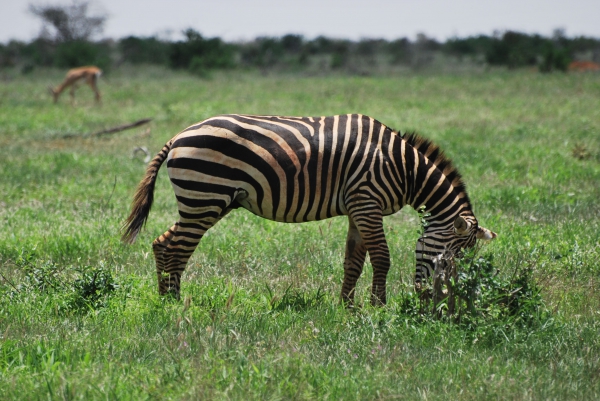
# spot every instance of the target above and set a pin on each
(466, 232)
(443, 243)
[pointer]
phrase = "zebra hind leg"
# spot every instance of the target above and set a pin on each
(167, 283)
(353, 263)
(173, 249)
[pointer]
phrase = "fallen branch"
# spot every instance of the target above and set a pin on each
(112, 130)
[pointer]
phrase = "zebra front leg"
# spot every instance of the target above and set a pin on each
(368, 218)
(380, 259)
(353, 263)
(423, 275)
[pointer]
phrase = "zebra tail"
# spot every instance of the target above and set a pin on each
(143, 198)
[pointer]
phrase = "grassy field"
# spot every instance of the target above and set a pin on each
(80, 317)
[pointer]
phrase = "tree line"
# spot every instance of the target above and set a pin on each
(66, 41)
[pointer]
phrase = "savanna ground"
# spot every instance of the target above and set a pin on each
(259, 318)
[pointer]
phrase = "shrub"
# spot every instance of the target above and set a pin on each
(78, 53)
(75, 288)
(401, 51)
(213, 53)
(554, 59)
(340, 54)
(470, 46)
(144, 50)
(483, 295)
(515, 49)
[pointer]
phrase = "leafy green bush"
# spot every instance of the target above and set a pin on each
(144, 50)
(483, 292)
(515, 49)
(401, 51)
(211, 53)
(76, 288)
(554, 58)
(483, 297)
(39, 52)
(92, 287)
(78, 53)
(264, 52)
(470, 46)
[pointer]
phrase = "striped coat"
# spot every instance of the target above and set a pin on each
(298, 169)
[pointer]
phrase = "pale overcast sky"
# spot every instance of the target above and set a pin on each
(235, 20)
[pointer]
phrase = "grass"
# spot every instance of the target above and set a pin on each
(259, 316)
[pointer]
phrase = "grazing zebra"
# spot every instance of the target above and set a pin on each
(298, 169)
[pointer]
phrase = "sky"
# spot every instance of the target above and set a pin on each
(240, 20)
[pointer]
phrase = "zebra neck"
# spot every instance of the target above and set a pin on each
(438, 197)
(432, 181)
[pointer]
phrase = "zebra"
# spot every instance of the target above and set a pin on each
(300, 169)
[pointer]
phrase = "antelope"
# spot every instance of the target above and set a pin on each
(89, 74)
(584, 66)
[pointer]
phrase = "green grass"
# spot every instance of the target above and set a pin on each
(260, 316)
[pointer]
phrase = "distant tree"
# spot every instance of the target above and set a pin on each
(69, 23)
(321, 45)
(554, 58)
(470, 46)
(515, 49)
(292, 43)
(150, 50)
(200, 55)
(424, 50)
(400, 50)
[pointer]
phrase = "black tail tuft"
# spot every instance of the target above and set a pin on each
(143, 198)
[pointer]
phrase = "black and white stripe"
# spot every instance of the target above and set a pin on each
(298, 169)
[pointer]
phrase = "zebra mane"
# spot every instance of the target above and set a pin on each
(437, 157)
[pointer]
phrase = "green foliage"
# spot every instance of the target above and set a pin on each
(484, 298)
(401, 51)
(484, 293)
(289, 51)
(554, 59)
(78, 53)
(294, 53)
(470, 46)
(39, 52)
(515, 49)
(265, 52)
(423, 216)
(93, 286)
(197, 53)
(150, 50)
(74, 289)
(296, 300)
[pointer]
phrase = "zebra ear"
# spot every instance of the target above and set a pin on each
(485, 234)
(461, 226)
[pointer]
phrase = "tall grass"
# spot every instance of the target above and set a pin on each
(260, 316)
